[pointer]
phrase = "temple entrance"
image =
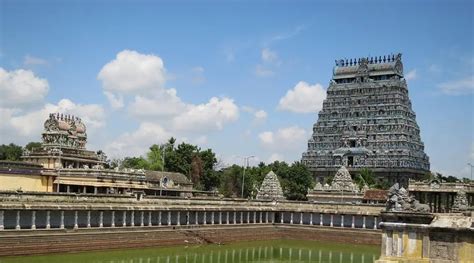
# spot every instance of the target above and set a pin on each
(350, 161)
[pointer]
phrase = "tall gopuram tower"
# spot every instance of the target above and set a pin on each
(367, 122)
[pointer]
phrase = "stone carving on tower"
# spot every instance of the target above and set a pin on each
(367, 121)
(61, 130)
(270, 188)
(342, 181)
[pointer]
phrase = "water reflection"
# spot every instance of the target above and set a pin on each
(269, 251)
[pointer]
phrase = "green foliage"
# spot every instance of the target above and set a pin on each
(295, 180)
(10, 152)
(365, 176)
(155, 158)
(135, 163)
(33, 145)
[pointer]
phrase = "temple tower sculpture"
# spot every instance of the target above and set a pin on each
(270, 188)
(367, 122)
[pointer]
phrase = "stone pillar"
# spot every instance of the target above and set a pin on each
(281, 217)
(301, 218)
(311, 218)
(142, 218)
(48, 219)
(321, 219)
(266, 217)
(169, 218)
(227, 218)
(332, 220)
(241, 217)
(95, 190)
(363, 222)
(272, 215)
(33, 219)
(159, 218)
(101, 219)
(342, 220)
(204, 219)
(178, 219)
(235, 217)
(61, 224)
(76, 225)
(88, 218)
(212, 218)
(124, 217)
(132, 218)
(375, 222)
(18, 227)
(196, 218)
(248, 217)
(150, 223)
(291, 217)
(68, 189)
(254, 217)
(112, 219)
(220, 217)
(84, 190)
(1, 220)
(353, 221)
(260, 217)
(187, 217)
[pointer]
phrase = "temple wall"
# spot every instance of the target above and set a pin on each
(26, 182)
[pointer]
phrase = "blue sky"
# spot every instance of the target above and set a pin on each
(241, 77)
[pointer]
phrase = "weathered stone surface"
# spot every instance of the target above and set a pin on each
(460, 202)
(367, 121)
(270, 188)
(400, 201)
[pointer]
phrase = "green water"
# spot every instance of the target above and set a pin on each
(261, 251)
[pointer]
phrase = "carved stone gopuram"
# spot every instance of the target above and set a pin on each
(367, 121)
(270, 188)
(343, 182)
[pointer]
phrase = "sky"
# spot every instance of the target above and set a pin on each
(245, 78)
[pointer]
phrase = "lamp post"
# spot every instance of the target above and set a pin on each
(246, 163)
(471, 169)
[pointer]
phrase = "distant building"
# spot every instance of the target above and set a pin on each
(367, 121)
(63, 164)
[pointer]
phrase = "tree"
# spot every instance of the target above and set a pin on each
(155, 158)
(197, 169)
(135, 163)
(296, 179)
(10, 152)
(365, 176)
(33, 145)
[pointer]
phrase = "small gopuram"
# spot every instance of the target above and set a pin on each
(411, 234)
(342, 189)
(69, 167)
(270, 188)
(367, 121)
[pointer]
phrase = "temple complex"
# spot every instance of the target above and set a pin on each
(270, 188)
(63, 164)
(367, 121)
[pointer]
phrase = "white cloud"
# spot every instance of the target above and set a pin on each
(284, 139)
(260, 115)
(268, 55)
(137, 142)
(411, 75)
(164, 103)
(33, 61)
(275, 157)
(261, 71)
(20, 88)
(133, 72)
(205, 117)
(458, 87)
(303, 98)
(116, 101)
